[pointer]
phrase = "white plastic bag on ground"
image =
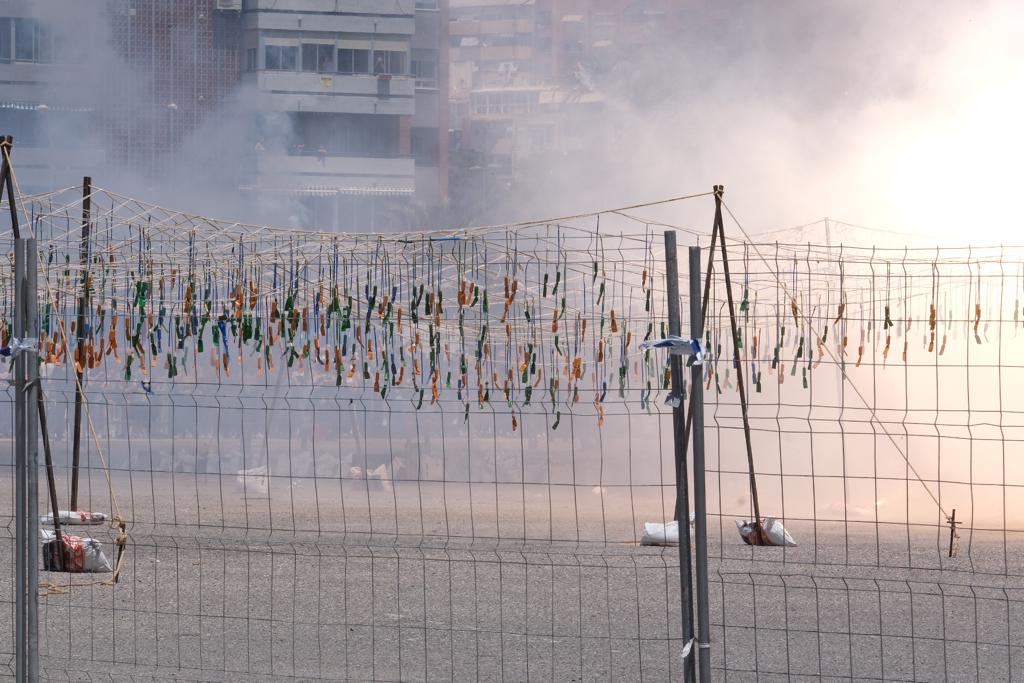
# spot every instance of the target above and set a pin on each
(656, 533)
(76, 517)
(773, 533)
(255, 481)
(80, 555)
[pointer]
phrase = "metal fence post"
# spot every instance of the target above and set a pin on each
(26, 409)
(679, 439)
(700, 510)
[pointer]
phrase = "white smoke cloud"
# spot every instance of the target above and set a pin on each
(897, 115)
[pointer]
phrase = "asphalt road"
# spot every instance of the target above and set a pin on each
(416, 585)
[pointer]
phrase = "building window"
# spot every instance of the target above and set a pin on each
(250, 59)
(425, 72)
(499, 13)
(6, 41)
(389, 62)
(353, 61)
(426, 4)
(542, 138)
(24, 40)
(280, 58)
(359, 135)
(504, 102)
(504, 40)
(227, 34)
(317, 57)
(426, 146)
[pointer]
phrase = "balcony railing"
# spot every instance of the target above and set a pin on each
(344, 173)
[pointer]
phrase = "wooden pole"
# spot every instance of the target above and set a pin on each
(79, 357)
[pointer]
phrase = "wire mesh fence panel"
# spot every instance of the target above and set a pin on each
(431, 456)
(366, 457)
(884, 403)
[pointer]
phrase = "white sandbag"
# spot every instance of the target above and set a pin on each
(80, 555)
(255, 481)
(772, 532)
(656, 533)
(76, 517)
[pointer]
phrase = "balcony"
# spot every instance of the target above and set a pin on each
(52, 84)
(312, 174)
(491, 28)
(505, 53)
(332, 93)
(330, 16)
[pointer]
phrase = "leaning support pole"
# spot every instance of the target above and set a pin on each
(682, 480)
(700, 509)
(26, 383)
(83, 302)
(737, 365)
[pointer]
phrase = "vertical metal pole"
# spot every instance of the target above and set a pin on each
(678, 431)
(20, 464)
(700, 510)
(31, 360)
(79, 357)
(704, 316)
(26, 376)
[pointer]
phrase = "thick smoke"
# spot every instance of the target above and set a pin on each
(901, 115)
(145, 131)
(898, 115)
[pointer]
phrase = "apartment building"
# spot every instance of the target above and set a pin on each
(347, 95)
(337, 107)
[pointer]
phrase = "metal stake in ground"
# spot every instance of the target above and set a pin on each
(83, 302)
(682, 482)
(719, 190)
(953, 535)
